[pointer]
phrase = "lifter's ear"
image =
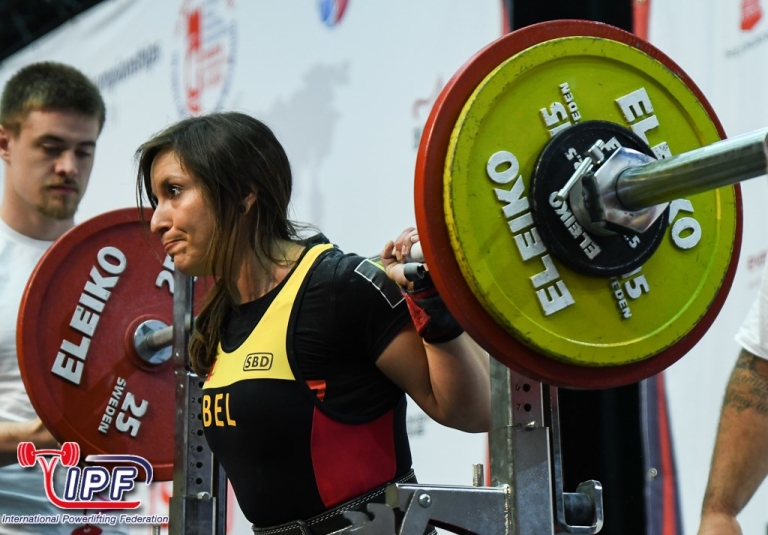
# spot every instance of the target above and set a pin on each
(247, 203)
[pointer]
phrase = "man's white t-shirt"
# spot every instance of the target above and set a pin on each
(753, 334)
(18, 257)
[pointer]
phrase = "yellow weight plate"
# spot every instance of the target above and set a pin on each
(496, 135)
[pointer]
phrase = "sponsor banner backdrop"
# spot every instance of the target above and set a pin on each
(347, 87)
(723, 46)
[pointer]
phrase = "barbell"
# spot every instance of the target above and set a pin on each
(579, 212)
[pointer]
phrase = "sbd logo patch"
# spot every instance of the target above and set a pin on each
(257, 362)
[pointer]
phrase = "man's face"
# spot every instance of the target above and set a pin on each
(49, 162)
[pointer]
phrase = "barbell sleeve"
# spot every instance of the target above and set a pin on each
(720, 164)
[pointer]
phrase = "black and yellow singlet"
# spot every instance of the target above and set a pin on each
(295, 408)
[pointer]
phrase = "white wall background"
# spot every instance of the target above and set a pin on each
(723, 46)
(347, 96)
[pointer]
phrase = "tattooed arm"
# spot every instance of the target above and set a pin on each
(740, 460)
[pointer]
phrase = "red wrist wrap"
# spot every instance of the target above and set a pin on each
(431, 317)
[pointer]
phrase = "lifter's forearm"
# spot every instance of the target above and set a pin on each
(740, 459)
(460, 377)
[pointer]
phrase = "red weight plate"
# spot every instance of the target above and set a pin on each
(438, 252)
(81, 304)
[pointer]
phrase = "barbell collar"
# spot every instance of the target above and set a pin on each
(720, 164)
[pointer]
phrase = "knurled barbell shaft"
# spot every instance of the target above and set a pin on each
(720, 164)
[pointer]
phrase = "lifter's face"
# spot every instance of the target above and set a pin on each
(48, 163)
(182, 218)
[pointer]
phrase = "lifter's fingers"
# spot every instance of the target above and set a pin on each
(403, 243)
(387, 254)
